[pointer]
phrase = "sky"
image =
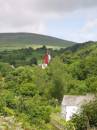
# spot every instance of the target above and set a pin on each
(73, 20)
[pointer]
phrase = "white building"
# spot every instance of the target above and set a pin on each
(71, 104)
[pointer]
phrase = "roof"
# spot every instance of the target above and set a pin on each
(70, 100)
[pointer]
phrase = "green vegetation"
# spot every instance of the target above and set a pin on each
(25, 94)
(27, 56)
(32, 95)
(11, 41)
(87, 117)
(60, 124)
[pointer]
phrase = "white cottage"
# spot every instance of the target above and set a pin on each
(71, 104)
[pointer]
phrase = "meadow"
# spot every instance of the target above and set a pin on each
(17, 46)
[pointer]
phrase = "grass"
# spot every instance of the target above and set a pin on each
(9, 47)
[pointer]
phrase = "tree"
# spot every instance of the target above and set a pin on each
(56, 73)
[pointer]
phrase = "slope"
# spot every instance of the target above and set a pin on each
(23, 40)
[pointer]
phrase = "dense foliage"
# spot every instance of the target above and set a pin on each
(27, 56)
(87, 117)
(32, 94)
(29, 93)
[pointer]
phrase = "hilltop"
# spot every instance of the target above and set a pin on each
(24, 40)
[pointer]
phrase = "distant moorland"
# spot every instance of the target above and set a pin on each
(10, 41)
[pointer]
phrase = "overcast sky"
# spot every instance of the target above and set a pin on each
(74, 20)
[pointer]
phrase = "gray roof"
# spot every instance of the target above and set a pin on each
(70, 100)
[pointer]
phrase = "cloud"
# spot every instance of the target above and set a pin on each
(90, 26)
(30, 11)
(33, 15)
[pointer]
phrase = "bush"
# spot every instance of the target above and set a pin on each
(87, 117)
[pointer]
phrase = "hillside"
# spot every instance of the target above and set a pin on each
(23, 40)
(33, 95)
(82, 51)
(82, 59)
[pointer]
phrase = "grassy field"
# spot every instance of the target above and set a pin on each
(8, 46)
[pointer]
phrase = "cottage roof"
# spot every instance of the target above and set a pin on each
(70, 100)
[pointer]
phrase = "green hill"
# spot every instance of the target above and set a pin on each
(23, 40)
